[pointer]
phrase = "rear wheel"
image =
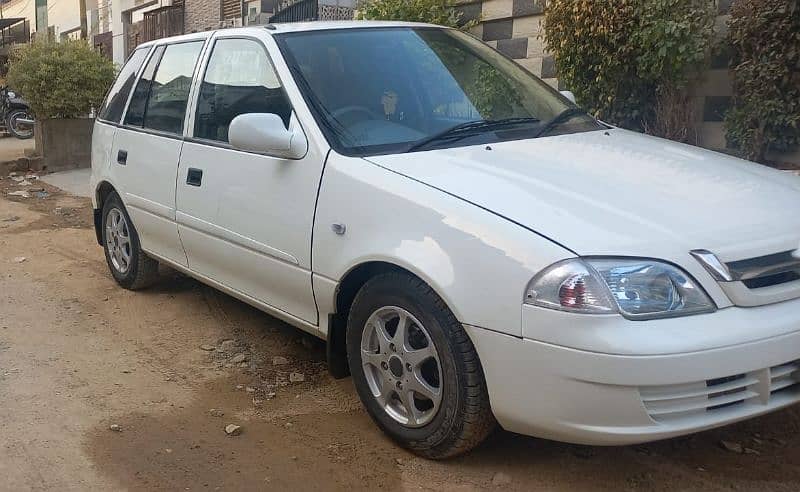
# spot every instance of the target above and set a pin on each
(130, 266)
(415, 368)
(21, 130)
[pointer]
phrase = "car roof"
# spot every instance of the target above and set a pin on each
(356, 24)
(288, 27)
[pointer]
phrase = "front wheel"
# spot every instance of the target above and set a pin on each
(18, 124)
(415, 369)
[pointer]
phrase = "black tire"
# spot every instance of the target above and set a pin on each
(12, 127)
(141, 271)
(464, 418)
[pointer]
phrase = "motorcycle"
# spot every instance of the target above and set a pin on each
(16, 114)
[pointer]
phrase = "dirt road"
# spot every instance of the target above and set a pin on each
(78, 355)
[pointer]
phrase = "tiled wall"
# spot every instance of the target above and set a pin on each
(712, 94)
(514, 27)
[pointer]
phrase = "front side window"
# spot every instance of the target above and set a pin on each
(161, 96)
(239, 79)
(388, 90)
(114, 104)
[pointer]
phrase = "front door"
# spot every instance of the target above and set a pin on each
(245, 219)
(147, 147)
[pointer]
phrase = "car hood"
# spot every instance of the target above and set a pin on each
(617, 192)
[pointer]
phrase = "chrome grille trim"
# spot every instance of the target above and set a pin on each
(749, 269)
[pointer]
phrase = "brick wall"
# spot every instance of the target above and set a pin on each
(201, 15)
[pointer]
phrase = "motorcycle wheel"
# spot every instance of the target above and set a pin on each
(22, 132)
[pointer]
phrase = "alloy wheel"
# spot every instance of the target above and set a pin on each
(118, 240)
(402, 366)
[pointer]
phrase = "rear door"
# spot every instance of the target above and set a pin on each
(110, 114)
(148, 145)
(245, 219)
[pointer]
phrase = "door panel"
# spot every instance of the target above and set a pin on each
(148, 175)
(148, 146)
(248, 225)
(245, 219)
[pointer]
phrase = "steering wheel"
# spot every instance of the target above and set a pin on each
(338, 113)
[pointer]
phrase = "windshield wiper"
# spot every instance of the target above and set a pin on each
(558, 119)
(469, 128)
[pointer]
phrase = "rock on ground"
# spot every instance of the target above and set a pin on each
(499, 479)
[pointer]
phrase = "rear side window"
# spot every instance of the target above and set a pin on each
(160, 99)
(114, 104)
(169, 93)
(239, 79)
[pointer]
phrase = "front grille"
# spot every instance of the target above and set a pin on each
(770, 280)
(667, 403)
(766, 271)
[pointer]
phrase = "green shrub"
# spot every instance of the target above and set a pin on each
(439, 12)
(765, 115)
(623, 58)
(60, 80)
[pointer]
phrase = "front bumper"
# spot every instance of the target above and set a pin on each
(585, 397)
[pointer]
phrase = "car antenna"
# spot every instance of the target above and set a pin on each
(271, 27)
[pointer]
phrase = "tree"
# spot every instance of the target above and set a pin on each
(438, 12)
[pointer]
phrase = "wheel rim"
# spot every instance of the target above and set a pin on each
(16, 127)
(118, 240)
(402, 366)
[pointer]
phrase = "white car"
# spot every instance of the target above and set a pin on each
(474, 248)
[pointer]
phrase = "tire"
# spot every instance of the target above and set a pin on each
(138, 270)
(448, 419)
(12, 126)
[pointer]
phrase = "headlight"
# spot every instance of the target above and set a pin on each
(637, 289)
(12, 94)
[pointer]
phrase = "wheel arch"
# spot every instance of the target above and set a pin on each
(101, 192)
(349, 285)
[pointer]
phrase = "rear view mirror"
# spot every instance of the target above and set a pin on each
(264, 133)
(569, 95)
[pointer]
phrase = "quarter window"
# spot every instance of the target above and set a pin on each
(118, 95)
(239, 79)
(135, 114)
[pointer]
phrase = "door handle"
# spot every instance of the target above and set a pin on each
(194, 177)
(122, 157)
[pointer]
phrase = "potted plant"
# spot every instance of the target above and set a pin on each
(63, 82)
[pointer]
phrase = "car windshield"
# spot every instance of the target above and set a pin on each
(402, 89)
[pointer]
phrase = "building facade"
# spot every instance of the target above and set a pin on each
(115, 27)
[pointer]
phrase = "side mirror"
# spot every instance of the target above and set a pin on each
(264, 133)
(569, 95)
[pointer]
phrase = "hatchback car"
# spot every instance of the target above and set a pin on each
(474, 247)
